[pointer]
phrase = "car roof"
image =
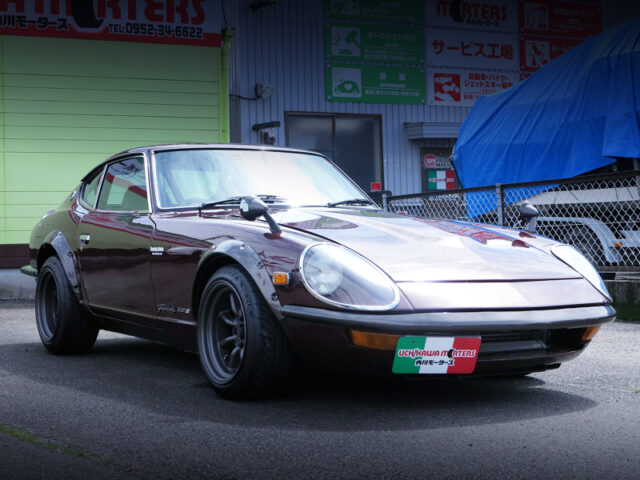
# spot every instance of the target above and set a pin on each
(195, 146)
(207, 146)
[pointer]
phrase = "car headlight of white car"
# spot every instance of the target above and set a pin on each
(572, 257)
(340, 277)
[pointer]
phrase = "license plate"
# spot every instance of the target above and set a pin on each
(436, 355)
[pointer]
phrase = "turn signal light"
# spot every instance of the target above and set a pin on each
(589, 333)
(280, 278)
(379, 341)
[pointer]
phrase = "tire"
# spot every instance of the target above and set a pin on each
(243, 351)
(63, 325)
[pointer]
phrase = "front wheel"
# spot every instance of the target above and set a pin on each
(64, 327)
(243, 350)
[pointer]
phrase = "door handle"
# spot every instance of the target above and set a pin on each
(84, 239)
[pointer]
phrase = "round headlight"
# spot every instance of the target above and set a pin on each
(341, 277)
(572, 257)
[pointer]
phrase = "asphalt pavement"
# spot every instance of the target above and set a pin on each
(136, 409)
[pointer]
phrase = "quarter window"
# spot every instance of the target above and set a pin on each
(124, 187)
(90, 191)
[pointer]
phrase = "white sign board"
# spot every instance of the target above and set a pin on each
(461, 88)
(460, 48)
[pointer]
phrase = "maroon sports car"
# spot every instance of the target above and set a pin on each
(258, 258)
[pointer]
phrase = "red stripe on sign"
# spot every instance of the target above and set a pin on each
(465, 354)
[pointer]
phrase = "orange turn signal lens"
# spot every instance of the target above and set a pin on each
(589, 333)
(280, 278)
(379, 341)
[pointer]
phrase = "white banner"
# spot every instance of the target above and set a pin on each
(461, 88)
(496, 15)
(459, 48)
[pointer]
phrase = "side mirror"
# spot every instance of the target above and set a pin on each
(252, 207)
(529, 214)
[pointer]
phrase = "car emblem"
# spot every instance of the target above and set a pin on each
(157, 250)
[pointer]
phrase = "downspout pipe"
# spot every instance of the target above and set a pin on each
(227, 35)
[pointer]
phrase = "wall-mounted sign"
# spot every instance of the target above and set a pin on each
(459, 48)
(374, 43)
(384, 11)
(437, 170)
(546, 17)
(538, 51)
(186, 22)
(461, 88)
(374, 83)
(497, 15)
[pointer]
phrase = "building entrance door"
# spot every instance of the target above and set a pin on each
(353, 142)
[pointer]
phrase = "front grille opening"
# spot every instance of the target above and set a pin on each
(559, 339)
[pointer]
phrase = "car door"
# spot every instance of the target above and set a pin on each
(114, 240)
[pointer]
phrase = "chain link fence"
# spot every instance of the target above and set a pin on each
(598, 214)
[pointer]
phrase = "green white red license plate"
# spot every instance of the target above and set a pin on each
(436, 355)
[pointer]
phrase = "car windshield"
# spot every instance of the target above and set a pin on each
(191, 178)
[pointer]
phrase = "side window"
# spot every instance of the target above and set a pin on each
(90, 190)
(125, 187)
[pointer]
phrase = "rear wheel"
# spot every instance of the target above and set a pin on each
(243, 350)
(64, 327)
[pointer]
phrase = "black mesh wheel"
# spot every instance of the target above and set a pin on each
(243, 350)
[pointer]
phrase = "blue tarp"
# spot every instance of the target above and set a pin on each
(572, 116)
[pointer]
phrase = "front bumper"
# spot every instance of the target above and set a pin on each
(512, 341)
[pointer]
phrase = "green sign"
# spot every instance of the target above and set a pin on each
(374, 43)
(385, 11)
(374, 83)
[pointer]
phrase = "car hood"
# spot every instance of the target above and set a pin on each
(412, 249)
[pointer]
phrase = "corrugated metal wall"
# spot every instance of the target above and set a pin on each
(282, 45)
(618, 11)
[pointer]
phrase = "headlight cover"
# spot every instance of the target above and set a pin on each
(572, 257)
(341, 277)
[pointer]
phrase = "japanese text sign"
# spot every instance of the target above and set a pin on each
(545, 17)
(186, 22)
(374, 43)
(374, 84)
(538, 51)
(458, 48)
(457, 87)
(385, 11)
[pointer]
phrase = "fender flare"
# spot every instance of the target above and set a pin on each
(58, 242)
(245, 256)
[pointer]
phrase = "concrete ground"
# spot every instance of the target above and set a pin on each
(136, 409)
(15, 285)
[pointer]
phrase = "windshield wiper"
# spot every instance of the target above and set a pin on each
(225, 201)
(237, 199)
(352, 201)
